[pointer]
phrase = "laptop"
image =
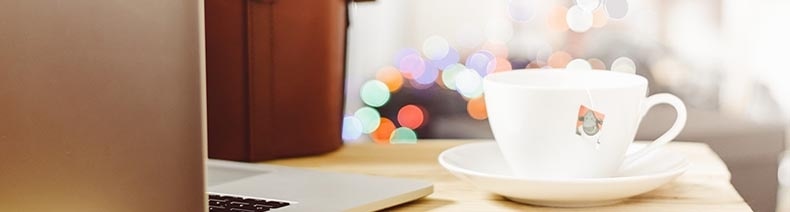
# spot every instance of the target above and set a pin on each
(102, 108)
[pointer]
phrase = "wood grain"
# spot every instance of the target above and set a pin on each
(704, 187)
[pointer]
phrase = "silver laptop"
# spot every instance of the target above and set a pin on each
(102, 109)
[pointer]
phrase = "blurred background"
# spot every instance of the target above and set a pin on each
(414, 70)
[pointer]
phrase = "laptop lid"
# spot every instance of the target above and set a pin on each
(100, 106)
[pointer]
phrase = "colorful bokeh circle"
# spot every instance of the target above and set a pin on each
(411, 116)
(476, 108)
(382, 134)
(369, 118)
(403, 135)
(391, 77)
(375, 93)
(352, 128)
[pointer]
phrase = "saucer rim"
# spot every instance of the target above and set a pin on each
(676, 170)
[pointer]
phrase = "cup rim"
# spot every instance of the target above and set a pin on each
(498, 79)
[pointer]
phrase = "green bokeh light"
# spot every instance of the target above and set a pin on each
(403, 135)
(374, 93)
(369, 117)
(449, 74)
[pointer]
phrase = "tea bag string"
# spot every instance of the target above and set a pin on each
(589, 98)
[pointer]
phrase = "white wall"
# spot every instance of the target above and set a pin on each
(758, 36)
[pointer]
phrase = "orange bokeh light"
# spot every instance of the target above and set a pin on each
(477, 108)
(597, 64)
(534, 64)
(382, 134)
(391, 77)
(411, 116)
(559, 59)
(499, 50)
(599, 18)
(556, 19)
(502, 64)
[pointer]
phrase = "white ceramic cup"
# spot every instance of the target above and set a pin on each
(536, 120)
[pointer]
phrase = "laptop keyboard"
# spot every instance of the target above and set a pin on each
(223, 203)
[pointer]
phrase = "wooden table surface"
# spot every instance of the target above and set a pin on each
(704, 187)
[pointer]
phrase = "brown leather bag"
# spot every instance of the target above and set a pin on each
(275, 77)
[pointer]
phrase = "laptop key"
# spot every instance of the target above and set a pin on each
(238, 204)
(222, 203)
(262, 207)
(275, 204)
(217, 202)
(247, 206)
(255, 201)
(231, 198)
(217, 209)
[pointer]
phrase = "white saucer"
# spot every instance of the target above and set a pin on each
(482, 165)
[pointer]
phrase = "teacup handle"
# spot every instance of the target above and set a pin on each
(680, 122)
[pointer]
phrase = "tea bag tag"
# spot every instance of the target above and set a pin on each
(589, 124)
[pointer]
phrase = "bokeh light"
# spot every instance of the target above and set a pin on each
(403, 135)
(391, 77)
(599, 18)
(624, 64)
(579, 64)
(352, 128)
(435, 47)
(559, 59)
(374, 93)
(496, 49)
(438, 62)
(588, 5)
(412, 66)
(383, 133)
(597, 64)
(440, 82)
(469, 83)
(499, 30)
(502, 64)
(449, 74)
(534, 65)
(521, 10)
(419, 86)
(579, 20)
(369, 118)
(556, 19)
(616, 9)
(411, 116)
(476, 108)
(452, 57)
(402, 54)
(481, 61)
(429, 75)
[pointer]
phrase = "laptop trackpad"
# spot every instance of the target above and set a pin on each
(218, 174)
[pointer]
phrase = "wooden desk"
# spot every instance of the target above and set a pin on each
(704, 187)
